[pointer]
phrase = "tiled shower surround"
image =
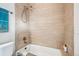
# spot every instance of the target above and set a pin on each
(51, 25)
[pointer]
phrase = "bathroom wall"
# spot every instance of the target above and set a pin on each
(8, 36)
(69, 28)
(76, 29)
(46, 23)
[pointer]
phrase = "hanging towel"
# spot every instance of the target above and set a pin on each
(4, 20)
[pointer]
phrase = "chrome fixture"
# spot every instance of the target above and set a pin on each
(26, 13)
(25, 40)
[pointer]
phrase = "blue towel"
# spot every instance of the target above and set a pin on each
(4, 20)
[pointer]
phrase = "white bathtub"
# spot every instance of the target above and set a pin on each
(7, 49)
(39, 50)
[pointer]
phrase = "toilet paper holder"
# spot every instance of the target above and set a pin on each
(65, 47)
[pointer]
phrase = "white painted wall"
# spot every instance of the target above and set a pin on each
(76, 29)
(8, 36)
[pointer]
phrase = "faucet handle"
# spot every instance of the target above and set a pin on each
(25, 39)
